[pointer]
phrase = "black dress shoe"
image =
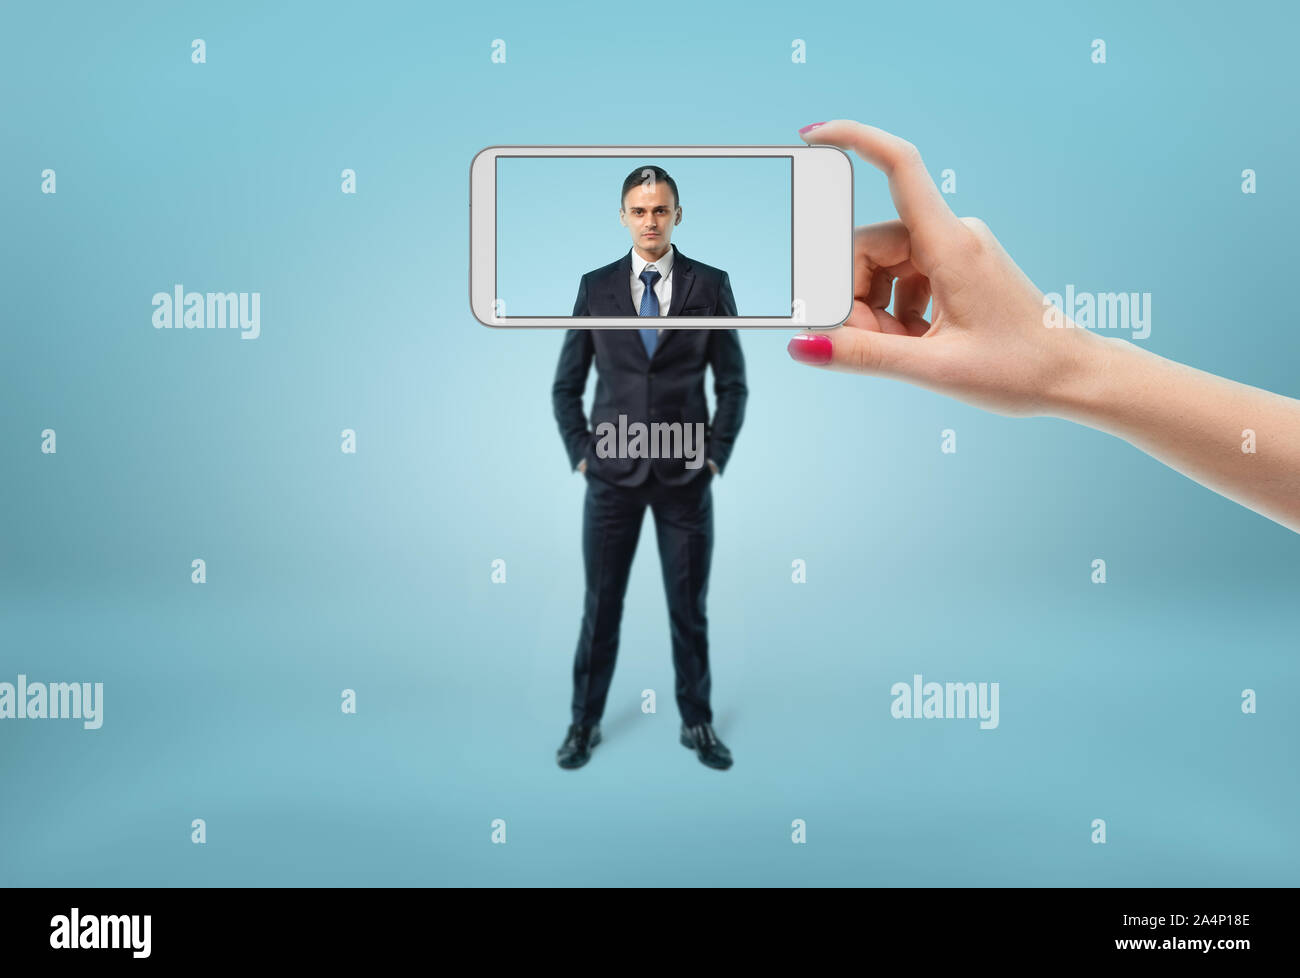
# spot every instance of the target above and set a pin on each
(576, 749)
(702, 739)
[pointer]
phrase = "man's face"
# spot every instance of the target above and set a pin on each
(650, 213)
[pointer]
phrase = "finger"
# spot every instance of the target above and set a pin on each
(911, 296)
(875, 318)
(880, 287)
(881, 252)
(885, 245)
(882, 244)
(919, 203)
(864, 351)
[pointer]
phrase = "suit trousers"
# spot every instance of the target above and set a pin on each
(611, 527)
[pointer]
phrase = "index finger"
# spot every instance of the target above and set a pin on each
(922, 208)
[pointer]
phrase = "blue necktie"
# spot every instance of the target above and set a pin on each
(649, 307)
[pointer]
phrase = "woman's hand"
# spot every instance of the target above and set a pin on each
(987, 341)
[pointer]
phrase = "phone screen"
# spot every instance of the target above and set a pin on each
(558, 219)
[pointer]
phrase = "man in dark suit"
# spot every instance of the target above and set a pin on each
(654, 377)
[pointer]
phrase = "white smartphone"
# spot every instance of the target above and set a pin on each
(596, 237)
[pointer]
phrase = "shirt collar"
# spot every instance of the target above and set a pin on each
(664, 264)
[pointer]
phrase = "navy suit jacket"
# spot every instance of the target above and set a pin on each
(668, 387)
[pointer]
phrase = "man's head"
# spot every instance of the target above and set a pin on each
(649, 208)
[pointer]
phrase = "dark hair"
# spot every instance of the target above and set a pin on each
(639, 176)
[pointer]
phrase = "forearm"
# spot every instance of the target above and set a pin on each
(725, 426)
(1196, 423)
(730, 390)
(570, 382)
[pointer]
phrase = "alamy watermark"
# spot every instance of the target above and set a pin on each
(1099, 310)
(945, 701)
(102, 932)
(659, 439)
(179, 309)
(53, 701)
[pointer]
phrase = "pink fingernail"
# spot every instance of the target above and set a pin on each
(813, 348)
(810, 128)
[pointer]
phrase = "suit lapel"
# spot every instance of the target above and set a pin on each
(683, 279)
(618, 289)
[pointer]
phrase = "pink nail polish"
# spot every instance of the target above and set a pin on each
(810, 127)
(811, 348)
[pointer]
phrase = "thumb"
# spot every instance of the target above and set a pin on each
(861, 351)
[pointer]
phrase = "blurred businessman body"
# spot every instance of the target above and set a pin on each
(653, 376)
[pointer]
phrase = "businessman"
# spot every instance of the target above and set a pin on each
(654, 378)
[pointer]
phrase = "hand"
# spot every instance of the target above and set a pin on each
(986, 342)
(582, 466)
(714, 466)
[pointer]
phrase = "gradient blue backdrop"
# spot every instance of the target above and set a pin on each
(329, 571)
(558, 218)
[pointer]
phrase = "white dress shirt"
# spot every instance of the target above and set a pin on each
(663, 284)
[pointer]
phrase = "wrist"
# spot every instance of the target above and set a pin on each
(1089, 377)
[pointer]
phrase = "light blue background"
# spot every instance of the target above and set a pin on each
(558, 219)
(372, 572)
